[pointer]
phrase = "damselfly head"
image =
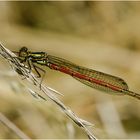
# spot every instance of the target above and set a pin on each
(23, 51)
(22, 54)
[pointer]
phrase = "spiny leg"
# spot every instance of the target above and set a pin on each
(29, 63)
(32, 65)
(39, 75)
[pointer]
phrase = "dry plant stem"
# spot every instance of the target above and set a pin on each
(22, 70)
(13, 127)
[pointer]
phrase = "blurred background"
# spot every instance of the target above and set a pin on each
(104, 36)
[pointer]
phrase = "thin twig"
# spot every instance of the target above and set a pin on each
(13, 127)
(23, 71)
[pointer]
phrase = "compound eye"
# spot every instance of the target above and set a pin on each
(23, 49)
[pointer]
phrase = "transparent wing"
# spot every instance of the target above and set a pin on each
(109, 79)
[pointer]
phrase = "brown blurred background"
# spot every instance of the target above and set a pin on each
(104, 36)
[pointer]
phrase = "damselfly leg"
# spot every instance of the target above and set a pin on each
(36, 69)
(29, 66)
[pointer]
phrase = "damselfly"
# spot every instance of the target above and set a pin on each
(89, 77)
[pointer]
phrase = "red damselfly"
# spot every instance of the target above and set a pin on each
(92, 78)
